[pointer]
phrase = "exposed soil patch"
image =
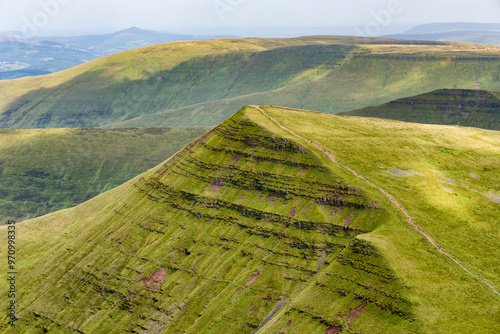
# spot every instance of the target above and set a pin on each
(307, 207)
(215, 186)
(193, 268)
(289, 323)
(348, 219)
(184, 308)
(302, 171)
(235, 159)
(333, 330)
(357, 311)
(137, 275)
(271, 198)
(251, 310)
(253, 278)
(155, 279)
(159, 275)
(292, 212)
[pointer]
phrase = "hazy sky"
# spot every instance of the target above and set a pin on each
(175, 15)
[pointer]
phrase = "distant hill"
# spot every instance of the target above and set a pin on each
(299, 223)
(458, 32)
(132, 38)
(43, 55)
(19, 58)
(46, 170)
(443, 26)
(476, 108)
(202, 82)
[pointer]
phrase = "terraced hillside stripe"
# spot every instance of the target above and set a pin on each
(389, 196)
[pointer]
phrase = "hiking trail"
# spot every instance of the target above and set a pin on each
(389, 196)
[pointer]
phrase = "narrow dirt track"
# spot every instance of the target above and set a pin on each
(389, 196)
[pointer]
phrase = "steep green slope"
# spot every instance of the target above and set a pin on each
(251, 229)
(446, 177)
(44, 171)
(182, 83)
(476, 108)
(372, 75)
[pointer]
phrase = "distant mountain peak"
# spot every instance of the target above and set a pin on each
(132, 30)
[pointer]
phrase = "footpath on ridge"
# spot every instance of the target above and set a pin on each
(386, 194)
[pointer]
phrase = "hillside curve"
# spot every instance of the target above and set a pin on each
(386, 194)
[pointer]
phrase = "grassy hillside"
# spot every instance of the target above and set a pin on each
(48, 54)
(44, 171)
(373, 75)
(202, 83)
(476, 108)
(158, 78)
(251, 229)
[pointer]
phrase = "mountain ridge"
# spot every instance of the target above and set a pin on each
(69, 51)
(475, 108)
(199, 244)
(236, 72)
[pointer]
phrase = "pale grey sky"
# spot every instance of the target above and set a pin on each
(72, 16)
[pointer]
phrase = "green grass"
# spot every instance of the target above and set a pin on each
(236, 224)
(475, 108)
(47, 170)
(202, 83)
(361, 80)
(446, 194)
(168, 76)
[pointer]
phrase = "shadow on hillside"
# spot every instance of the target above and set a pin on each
(96, 97)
